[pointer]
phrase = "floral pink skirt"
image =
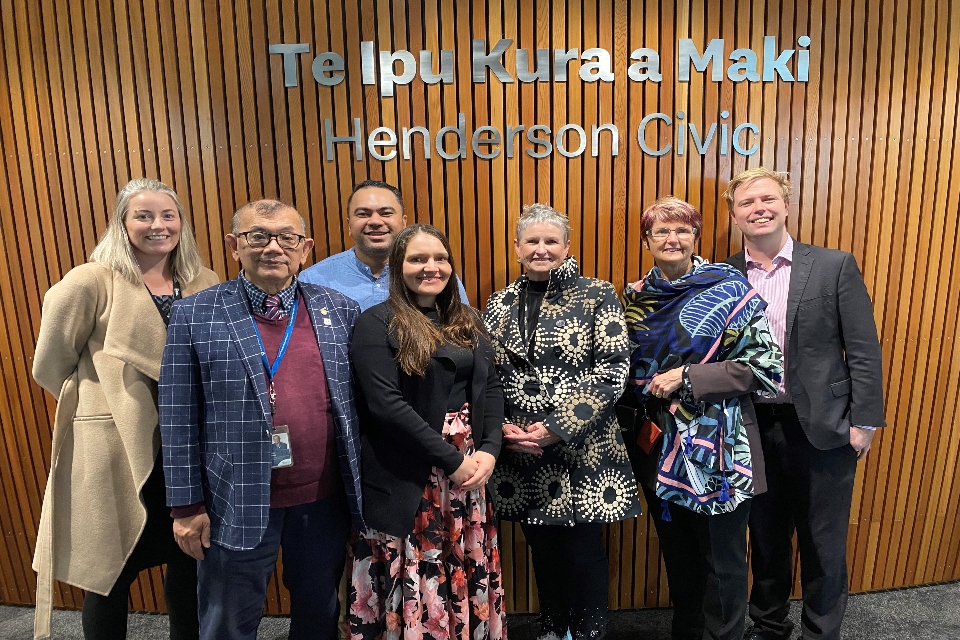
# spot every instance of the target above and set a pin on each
(441, 582)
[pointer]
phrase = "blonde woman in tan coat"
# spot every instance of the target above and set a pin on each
(102, 335)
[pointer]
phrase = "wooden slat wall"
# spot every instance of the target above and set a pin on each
(94, 93)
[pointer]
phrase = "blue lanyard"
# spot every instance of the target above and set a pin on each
(272, 369)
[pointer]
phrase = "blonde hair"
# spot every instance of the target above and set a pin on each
(782, 178)
(114, 250)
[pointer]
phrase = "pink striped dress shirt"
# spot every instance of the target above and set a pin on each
(774, 287)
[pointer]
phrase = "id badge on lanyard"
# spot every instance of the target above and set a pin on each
(281, 448)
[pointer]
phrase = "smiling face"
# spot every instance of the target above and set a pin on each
(760, 212)
(270, 268)
(540, 248)
(426, 268)
(673, 253)
(374, 218)
(153, 225)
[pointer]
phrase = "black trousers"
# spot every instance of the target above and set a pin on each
(105, 617)
(706, 558)
(808, 491)
(570, 564)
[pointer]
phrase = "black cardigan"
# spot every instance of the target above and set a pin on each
(401, 418)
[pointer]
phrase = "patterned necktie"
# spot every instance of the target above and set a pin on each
(271, 308)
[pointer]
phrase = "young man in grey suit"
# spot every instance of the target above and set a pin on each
(824, 416)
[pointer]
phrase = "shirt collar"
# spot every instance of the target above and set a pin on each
(258, 296)
(365, 268)
(784, 256)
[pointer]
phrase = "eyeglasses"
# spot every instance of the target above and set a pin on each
(683, 233)
(260, 239)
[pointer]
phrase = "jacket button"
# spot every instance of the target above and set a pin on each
(561, 322)
(557, 351)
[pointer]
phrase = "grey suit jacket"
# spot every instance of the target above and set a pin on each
(833, 358)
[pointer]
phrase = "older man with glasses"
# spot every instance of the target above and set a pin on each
(257, 360)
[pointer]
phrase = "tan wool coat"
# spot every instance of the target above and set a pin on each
(99, 349)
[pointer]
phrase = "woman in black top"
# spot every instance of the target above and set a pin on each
(431, 410)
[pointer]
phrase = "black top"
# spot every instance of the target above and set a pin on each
(401, 418)
(463, 361)
(164, 303)
(531, 297)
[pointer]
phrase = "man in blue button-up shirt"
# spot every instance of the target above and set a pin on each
(374, 216)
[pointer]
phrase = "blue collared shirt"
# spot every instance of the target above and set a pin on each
(346, 273)
(258, 296)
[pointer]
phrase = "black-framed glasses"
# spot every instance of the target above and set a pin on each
(260, 239)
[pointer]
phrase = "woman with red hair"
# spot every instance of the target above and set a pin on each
(701, 347)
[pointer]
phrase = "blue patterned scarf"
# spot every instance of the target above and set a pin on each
(710, 314)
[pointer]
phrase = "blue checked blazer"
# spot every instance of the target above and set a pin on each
(215, 422)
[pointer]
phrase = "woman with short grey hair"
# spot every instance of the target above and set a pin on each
(562, 354)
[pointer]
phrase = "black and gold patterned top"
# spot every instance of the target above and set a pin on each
(569, 378)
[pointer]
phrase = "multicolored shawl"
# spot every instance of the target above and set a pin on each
(711, 314)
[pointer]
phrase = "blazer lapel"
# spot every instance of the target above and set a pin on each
(328, 322)
(240, 320)
(739, 261)
(481, 368)
(799, 274)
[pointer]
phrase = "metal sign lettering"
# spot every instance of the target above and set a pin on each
(657, 134)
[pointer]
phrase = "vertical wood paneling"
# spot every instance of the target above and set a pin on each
(938, 531)
(92, 94)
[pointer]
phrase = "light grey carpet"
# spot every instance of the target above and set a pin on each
(922, 613)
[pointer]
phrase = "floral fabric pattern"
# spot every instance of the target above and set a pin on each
(443, 581)
(569, 379)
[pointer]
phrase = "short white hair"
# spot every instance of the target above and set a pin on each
(543, 214)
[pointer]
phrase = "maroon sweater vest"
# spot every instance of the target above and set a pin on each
(303, 405)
